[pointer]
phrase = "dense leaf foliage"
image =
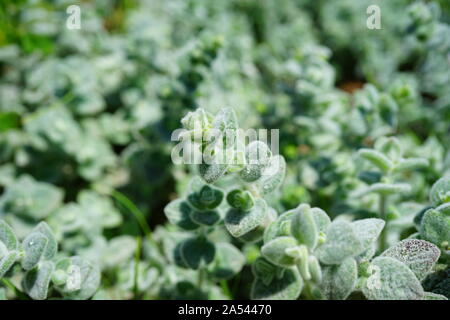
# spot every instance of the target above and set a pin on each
(353, 204)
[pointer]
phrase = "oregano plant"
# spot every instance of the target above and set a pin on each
(124, 175)
(238, 204)
(387, 157)
(34, 260)
(303, 253)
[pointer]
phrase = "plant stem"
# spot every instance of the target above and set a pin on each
(12, 287)
(307, 291)
(383, 215)
(140, 217)
(9, 284)
(201, 277)
(136, 267)
(226, 289)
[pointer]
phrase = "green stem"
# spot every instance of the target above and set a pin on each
(201, 277)
(9, 284)
(383, 215)
(136, 267)
(307, 291)
(226, 289)
(140, 217)
(13, 288)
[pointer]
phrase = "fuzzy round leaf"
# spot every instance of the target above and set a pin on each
(59, 277)
(257, 234)
(225, 120)
(195, 184)
(240, 199)
(228, 261)
(197, 120)
(264, 270)
(419, 216)
(444, 208)
(52, 245)
(280, 227)
(239, 222)
(254, 235)
(287, 287)
(37, 280)
(440, 192)
(418, 255)
(211, 172)
(321, 219)
(257, 155)
(207, 198)
(7, 261)
(273, 175)
(34, 247)
(339, 281)
(368, 231)
(69, 218)
(196, 252)
(275, 251)
(100, 207)
(31, 199)
(342, 242)
(177, 258)
(205, 218)
(303, 226)
(435, 227)
(7, 236)
(118, 251)
(178, 212)
(392, 280)
(83, 278)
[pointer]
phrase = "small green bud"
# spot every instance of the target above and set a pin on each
(376, 158)
(207, 198)
(59, 277)
(390, 147)
(303, 226)
(440, 192)
(240, 199)
(303, 263)
(314, 268)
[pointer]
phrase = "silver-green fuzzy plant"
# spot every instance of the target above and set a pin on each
(39, 267)
(304, 253)
(245, 213)
(387, 156)
(434, 223)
